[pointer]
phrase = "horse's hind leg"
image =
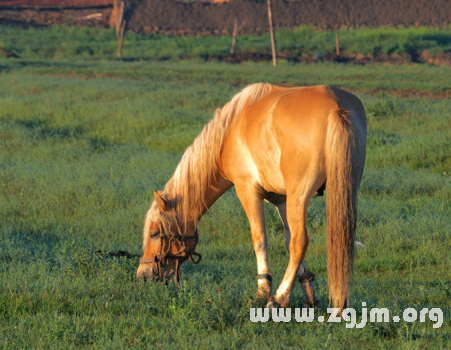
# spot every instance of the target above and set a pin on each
(306, 278)
(296, 213)
(301, 183)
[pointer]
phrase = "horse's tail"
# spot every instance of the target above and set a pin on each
(343, 158)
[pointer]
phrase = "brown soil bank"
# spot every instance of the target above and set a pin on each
(175, 17)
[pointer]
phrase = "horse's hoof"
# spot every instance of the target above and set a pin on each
(261, 298)
(273, 304)
(308, 304)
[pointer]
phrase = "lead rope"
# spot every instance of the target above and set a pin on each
(176, 276)
(182, 251)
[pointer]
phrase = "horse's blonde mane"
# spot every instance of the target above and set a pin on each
(185, 191)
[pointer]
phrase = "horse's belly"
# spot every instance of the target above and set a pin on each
(269, 173)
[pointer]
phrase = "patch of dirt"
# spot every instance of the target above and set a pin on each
(360, 59)
(197, 18)
(117, 254)
(33, 17)
(408, 93)
(178, 18)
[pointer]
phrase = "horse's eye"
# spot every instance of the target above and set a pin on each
(154, 234)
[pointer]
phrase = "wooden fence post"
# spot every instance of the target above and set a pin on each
(121, 36)
(120, 24)
(235, 31)
(271, 32)
(337, 44)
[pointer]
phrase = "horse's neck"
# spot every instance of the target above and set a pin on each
(218, 186)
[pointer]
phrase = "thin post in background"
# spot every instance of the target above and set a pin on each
(119, 10)
(120, 25)
(271, 33)
(235, 31)
(337, 44)
(120, 38)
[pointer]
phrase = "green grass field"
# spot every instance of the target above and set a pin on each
(94, 43)
(83, 144)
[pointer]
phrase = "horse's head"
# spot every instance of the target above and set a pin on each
(166, 243)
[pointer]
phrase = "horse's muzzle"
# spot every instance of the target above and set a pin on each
(144, 272)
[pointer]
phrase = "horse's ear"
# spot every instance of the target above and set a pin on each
(162, 204)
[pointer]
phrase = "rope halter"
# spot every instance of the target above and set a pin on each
(164, 255)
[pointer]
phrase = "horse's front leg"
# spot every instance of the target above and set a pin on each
(298, 243)
(252, 202)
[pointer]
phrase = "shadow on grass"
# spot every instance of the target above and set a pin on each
(21, 244)
(41, 128)
(440, 38)
(117, 254)
(23, 63)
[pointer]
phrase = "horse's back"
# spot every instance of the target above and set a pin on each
(301, 118)
(283, 136)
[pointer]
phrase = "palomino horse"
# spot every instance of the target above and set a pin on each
(276, 144)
